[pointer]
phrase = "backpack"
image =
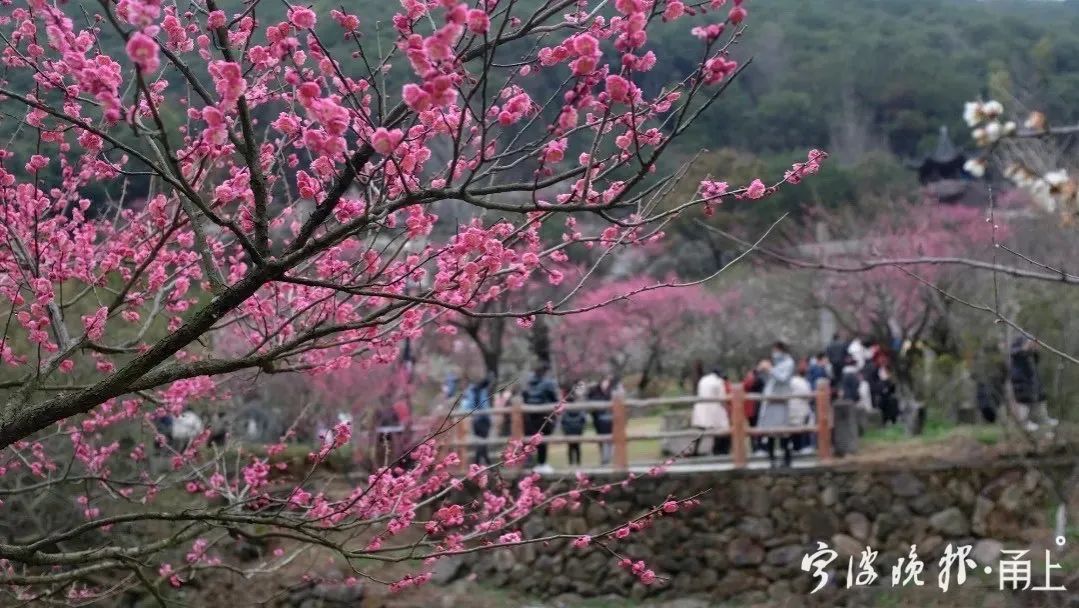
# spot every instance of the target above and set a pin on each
(475, 400)
(539, 391)
(849, 387)
(481, 425)
(573, 422)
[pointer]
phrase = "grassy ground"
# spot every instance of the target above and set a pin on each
(937, 427)
(639, 451)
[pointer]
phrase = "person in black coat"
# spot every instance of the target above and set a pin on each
(990, 374)
(540, 390)
(574, 421)
(477, 398)
(887, 398)
(603, 420)
(1027, 385)
(836, 352)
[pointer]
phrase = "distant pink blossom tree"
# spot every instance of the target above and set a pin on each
(898, 301)
(213, 195)
(636, 333)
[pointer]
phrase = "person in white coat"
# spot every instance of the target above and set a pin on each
(799, 407)
(712, 415)
(859, 352)
(865, 397)
(186, 427)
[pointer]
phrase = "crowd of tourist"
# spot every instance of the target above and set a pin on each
(541, 389)
(783, 386)
(779, 397)
(779, 389)
(858, 371)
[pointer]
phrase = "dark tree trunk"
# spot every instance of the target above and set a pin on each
(541, 341)
(646, 371)
(488, 342)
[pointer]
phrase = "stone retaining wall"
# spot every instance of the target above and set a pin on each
(747, 538)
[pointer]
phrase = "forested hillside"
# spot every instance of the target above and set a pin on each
(858, 75)
(853, 75)
(859, 78)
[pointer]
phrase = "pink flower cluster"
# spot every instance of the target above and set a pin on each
(340, 435)
(166, 572)
(799, 171)
(718, 68)
(638, 569)
(142, 50)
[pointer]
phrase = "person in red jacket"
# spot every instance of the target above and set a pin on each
(754, 383)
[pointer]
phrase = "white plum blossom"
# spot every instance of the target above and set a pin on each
(1052, 191)
(1019, 174)
(977, 112)
(1057, 179)
(1042, 195)
(1035, 122)
(972, 113)
(991, 132)
(975, 167)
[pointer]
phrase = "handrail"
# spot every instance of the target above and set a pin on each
(687, 434)
(589, 406)
(619, 437)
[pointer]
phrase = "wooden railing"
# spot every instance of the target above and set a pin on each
(621, 409)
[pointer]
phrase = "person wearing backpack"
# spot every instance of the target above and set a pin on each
(476, 399)
(850, 380)
(540, 390)
(1031, 409)
(603, 420)
(573, 421)
(836, 353)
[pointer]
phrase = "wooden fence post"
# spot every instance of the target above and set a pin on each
(517, 419)
(462, 434)
(738, 426)
(824, 420)
(618, 432)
